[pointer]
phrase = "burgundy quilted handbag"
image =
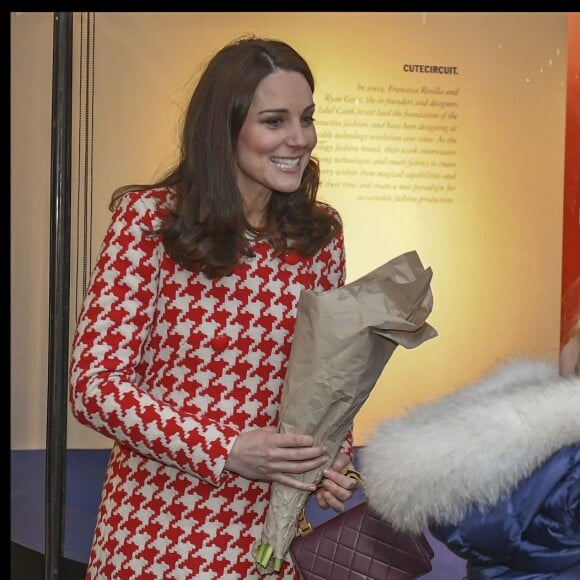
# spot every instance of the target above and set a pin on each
(358, 545)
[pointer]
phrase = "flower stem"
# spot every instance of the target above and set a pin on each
(264, 554)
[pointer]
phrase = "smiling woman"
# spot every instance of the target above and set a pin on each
(275, 142)
(184, 337)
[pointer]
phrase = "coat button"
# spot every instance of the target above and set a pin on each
(291, 259)
(220, 342)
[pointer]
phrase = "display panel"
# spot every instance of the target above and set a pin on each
(438, 132)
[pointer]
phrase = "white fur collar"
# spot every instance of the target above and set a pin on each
(471, 446)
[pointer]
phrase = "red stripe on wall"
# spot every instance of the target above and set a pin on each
(571, 221)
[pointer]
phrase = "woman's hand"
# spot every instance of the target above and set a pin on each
(264, 454)
(336, 488)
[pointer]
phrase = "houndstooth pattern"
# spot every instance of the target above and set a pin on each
(172, 365)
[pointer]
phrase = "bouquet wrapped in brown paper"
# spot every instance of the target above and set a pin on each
(342, 342)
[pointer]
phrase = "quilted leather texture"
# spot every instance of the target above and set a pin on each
(358, 545)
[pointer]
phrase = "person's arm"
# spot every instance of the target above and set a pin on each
(569, 360)
(118, 311)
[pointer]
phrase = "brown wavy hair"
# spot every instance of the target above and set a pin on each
(206, 229)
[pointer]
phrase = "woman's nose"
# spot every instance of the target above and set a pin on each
(297, 135)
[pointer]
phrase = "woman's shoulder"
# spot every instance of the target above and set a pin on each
(148, 206)
(150, 198)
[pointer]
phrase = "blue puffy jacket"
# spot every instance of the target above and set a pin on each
(492, 469)
(532, 534)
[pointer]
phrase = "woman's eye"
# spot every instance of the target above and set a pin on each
(274, 122)
(308, 120)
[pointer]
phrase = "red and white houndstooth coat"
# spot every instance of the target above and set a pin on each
(172, 366)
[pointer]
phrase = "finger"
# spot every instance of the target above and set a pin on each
(293, 482)
(331, 490)
(341, 461)
(301, 466)
(344, 480)
(294, 440)
(321, 501)
(298, 454)
(329, 500)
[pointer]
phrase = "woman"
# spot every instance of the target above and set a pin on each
(183, 340)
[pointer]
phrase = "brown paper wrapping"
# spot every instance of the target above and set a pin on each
(343, 339)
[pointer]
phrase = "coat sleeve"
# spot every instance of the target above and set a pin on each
(112, 328)
(536, 528)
